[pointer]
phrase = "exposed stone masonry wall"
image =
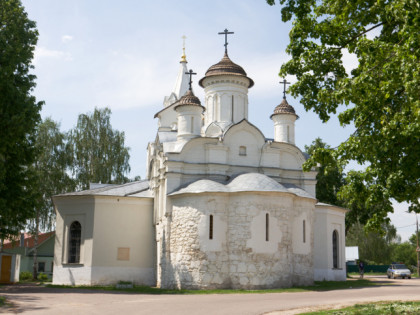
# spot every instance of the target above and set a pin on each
(238, 256)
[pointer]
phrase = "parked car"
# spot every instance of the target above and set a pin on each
(398, 270)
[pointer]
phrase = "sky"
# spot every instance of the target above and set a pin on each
(125, 55)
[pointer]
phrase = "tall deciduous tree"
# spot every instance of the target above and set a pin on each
(51, 170)
(19, 115)
(373, 246)
(380, 95)
(330, 177)
(98, 151)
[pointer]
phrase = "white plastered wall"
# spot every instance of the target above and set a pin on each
(327, 219)
(111, 227)
(123, 247)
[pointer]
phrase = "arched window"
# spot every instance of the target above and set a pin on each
(335, 248)
(74, 248)
(267, 226)
(211, 228)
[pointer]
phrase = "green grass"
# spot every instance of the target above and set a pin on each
(382, 308)
(318, 286)
(2, 301)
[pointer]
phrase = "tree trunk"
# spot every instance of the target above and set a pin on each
(35, 250)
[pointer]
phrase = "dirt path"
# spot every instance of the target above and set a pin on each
(39, 300)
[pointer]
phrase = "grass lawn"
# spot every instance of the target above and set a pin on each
(318, 286)
(382, 308)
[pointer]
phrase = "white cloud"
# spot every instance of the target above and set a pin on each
(350, 61)
(42, 52)
(66, 38)
(404, 222)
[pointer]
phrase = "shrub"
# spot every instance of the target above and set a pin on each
(25, 275)
(42, 276)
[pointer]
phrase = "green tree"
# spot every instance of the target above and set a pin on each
(380, 95)
(374, 246)
(52, 178)
(405, 253)
(330, 176)
(98, 151)
(19, 116)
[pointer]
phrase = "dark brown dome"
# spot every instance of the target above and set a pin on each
(284, 108)
(189, 99)
(226, 66)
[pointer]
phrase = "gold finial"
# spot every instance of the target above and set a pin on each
(183, 57)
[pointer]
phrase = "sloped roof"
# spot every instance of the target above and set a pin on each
(29, 240)
(129, 189)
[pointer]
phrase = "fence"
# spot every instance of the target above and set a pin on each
(368, 268)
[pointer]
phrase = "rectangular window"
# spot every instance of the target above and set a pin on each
(242, 150)
(41, 266)
(267, 225)
(211, 228)
(304, 231)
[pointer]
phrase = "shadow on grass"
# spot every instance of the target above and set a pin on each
(318, 286)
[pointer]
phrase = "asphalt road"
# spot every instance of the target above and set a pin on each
(39, 300)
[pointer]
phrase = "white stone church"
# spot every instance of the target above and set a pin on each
(222, 206)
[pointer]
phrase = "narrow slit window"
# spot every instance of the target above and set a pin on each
(192, 124)
(304, 231)
(211, 227)
(242, 150)
(267, 226)
(335, 248)
(288, 134)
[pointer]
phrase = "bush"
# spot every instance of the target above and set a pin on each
(42, 276)
(25, 275)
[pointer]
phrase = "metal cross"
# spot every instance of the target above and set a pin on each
(284, 87)
(225, 32)
(190, 73)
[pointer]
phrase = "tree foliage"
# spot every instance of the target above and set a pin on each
(373, 246)
(380, 95)
(19, 115)
(98, 151)
(51, 169)
(330, 177)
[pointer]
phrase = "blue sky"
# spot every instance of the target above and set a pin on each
(125, 55)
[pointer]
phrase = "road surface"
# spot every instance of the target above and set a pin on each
(39, 300)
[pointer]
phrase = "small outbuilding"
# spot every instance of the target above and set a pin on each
(9, 266)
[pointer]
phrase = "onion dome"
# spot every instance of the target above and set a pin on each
(189, 99)
(226, 67)
(284, 108)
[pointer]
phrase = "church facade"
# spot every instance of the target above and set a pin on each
(222, 205)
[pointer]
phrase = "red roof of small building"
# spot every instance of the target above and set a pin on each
(29, 240)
